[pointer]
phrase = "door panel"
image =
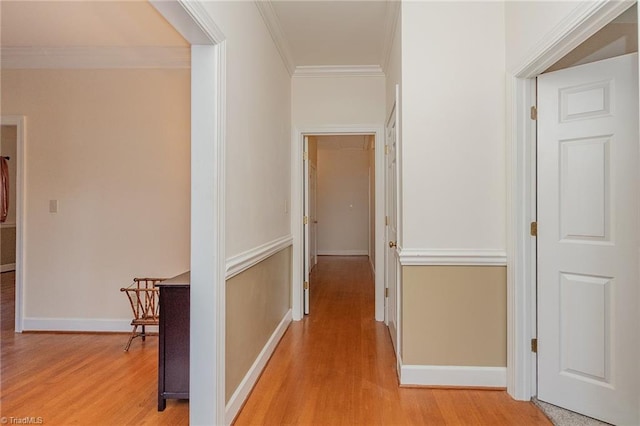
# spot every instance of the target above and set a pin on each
(306, 233)
(391, 257)
(313, 218)
(588, 234)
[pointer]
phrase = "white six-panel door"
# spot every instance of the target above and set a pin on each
(588, 234)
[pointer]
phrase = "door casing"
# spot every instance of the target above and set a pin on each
(297, 210)
(586, 19)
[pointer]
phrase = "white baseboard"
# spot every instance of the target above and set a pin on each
(343, 253)
(8, 267)
(79, 324)
(248, 382)
(446, 375)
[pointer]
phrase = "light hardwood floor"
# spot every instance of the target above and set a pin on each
(337, 367)
(80, 379)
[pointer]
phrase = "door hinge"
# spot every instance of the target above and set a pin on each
(306, 285)
(534, 229)
(386, 221)
(534, 345)
(534, 113)
(305, 220)
(386, 149)
(305, 156)
(386, 292)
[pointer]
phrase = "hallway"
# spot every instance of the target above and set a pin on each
(337, 367)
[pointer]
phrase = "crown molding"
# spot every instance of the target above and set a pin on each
(95, 57)
(339, 71)
(390, 27)
(277, 33)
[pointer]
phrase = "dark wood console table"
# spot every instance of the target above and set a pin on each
(173, 365)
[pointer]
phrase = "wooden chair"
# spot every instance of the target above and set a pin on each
(144, 299)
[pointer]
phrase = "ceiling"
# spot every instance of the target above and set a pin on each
(307, 32)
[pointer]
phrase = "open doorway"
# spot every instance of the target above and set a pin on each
(8, 228)
(339, 200)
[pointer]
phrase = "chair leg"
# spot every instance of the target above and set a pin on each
(143, 334)
(133, 335)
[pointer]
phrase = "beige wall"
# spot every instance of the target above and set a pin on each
(257, 300)
(113, 147)
(454, 315)
(343, 199)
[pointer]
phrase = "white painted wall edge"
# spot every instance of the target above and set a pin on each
(343, 252)
(454, 257)
(95, 57)
(243, 261)
(242, 392)
(77, 324)
(447, 375)
(8, 267)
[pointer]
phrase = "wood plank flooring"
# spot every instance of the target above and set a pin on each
(337, 367)
(80, 379)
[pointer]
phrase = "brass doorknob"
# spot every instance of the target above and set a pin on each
(392, 244)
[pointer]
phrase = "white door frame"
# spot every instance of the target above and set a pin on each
(585, 20)
(208, 262)
(20, 162)
(297, 211)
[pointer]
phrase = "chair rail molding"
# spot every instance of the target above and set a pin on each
(453, 257)
(248, 259)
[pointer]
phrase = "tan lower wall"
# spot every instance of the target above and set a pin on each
(7, 246)
(454, 315)
(256, 301)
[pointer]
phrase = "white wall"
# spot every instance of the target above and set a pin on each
(394, 67)
(337, 101)
(343, 200)
(258, 140)
(527, 22)
(113, 147)
(453, 141)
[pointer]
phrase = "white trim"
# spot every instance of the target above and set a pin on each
(208, 260)
(248, 382)
(95, 57)
(584, 21)
(77, 324)
(297, 209)
(7, 225)
(424, 257)
(243, 261)
(338, 71)
(191, 20)
(272, 22)
(446, 375)
(8, 267)
(343, 253)
(21, 227)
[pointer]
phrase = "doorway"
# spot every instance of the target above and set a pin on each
(522, 383)
(12, 151)
(339, 200)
